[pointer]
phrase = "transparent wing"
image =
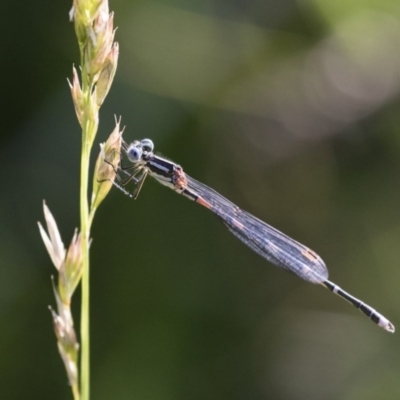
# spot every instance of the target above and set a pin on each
(262, 238)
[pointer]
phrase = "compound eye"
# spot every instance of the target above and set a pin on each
(134, 153)
(147, 145)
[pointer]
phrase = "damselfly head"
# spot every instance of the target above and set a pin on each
(139, 150)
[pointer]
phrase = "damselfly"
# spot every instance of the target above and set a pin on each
(265, 240)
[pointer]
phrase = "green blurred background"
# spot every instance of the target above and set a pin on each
(288, 108)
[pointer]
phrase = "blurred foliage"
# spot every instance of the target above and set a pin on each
(289, 109)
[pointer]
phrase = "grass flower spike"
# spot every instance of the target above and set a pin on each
(71, 272)
(107, 75)
(106, 164)
(76, 93)
(90, 84)
(69, 266)
(68, 349)
(52, 241)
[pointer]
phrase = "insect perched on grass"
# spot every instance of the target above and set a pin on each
(265, 240)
